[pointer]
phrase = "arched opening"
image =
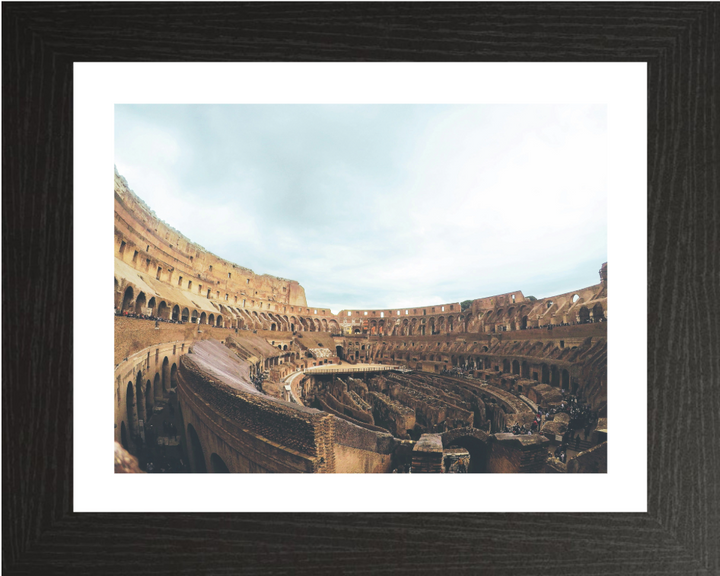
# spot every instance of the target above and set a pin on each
(575, 298)
(478, 453)
(211, 320)
(272, 327)
(123, 436)
(157, 389)
(194, 317)
(131, 410)
(525, 370)
(151, 305)
(565, 380)
(140, 398)
(197, 456)
(598, 313)
(163, 310)
(140, 303)
(176, 312)
(506, 366)
(173, 376)
(583, 315)
(165, 376)
(203, 318)
(127, 299)
(515, 367)
(339, 352)
(523, 323)
(185, 315)
(554, 376)
(148, 399)
(219, 321)
(545, 378)
(217, 464)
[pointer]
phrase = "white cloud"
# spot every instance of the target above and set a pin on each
(381, 206)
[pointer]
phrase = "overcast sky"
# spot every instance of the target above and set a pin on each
(381, 206)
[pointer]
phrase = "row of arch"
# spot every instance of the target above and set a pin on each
(517, 318)
(141, 397)
(228, 316)
(417, 326)
(197, 455)
(165, 310)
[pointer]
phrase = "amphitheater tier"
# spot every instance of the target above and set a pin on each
(514, 353)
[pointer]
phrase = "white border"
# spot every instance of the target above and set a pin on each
(98, 86)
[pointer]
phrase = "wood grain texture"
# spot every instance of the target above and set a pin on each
(681, 532)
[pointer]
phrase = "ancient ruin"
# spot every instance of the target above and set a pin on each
(219, 369)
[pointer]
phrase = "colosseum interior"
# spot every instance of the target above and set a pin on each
(219, 369)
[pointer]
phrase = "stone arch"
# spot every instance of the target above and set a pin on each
(131, 410)
(474, 441)
(163, 310)
(565, 379)
(525, 370)
(140, 398)
(165, 376)
(176, 312)
(506, 366)
(545, 374)
(157, 388)
(124, 436)
(140, 303)
(151, 304)
(194, 317)
(554, 376)
(583, 314)
(196, 454)
(127, 299)
(149, 399)
(211, 320)
(173, 376)
(515, 367)
(217, 465)
(185, 315)
(597, 312)
(203, 318)
(272, 327)
(219, 321)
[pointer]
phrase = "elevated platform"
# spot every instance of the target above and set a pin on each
(349, 369)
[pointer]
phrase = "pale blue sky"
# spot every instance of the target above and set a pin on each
(381, 206)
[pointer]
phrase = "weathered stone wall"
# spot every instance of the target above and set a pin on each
(502, 338)
(148, 374)
(518, 454)
(593, 460)
(277, 436)
(140, 229)
(392, 415)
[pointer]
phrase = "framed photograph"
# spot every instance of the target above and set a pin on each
(217, 356)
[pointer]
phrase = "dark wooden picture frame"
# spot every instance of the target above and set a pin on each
(680, 534)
